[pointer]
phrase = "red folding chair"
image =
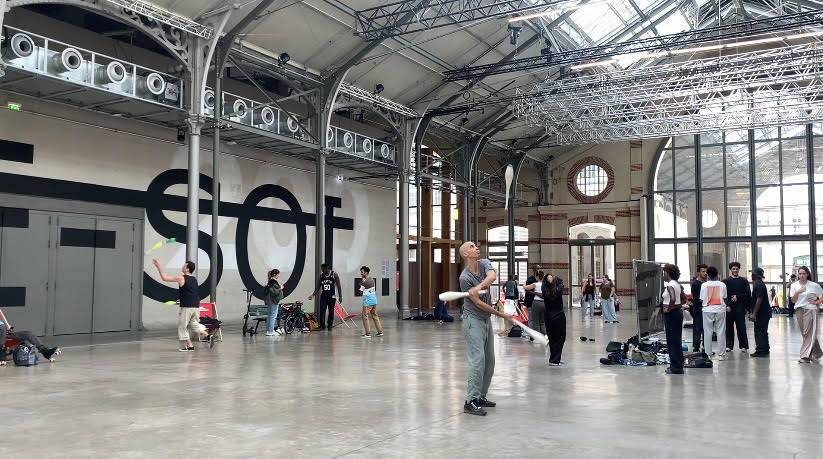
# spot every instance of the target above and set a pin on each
(209, 310)
(343, 315)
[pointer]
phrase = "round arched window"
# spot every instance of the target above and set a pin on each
(590, 180)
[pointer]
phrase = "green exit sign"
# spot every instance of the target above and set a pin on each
(15, 107)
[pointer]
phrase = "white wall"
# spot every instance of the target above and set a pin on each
(79, 152)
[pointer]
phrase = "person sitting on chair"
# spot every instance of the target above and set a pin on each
(6, 330)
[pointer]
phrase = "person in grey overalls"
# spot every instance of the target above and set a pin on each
(477, 327)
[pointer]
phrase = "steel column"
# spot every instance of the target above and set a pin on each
(215, 175)
(193, 209)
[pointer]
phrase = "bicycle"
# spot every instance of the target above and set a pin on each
(292, 317)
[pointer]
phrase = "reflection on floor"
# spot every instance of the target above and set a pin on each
(337, 394)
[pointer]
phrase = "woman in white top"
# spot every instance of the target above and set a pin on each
(673, 301)
(807, 296)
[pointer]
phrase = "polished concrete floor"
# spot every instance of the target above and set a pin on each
(338, 395)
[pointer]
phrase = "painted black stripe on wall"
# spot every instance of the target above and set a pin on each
(16, 151)
(12, 297)
(11, 217)
(78, 237)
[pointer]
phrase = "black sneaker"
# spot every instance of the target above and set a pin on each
(485, 403)
(474, 408)
(670, 371)
(379, 334)
(49, 353)
(760, 354)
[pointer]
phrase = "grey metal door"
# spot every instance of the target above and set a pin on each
(113, 275)
(74, 275)
(24, 268)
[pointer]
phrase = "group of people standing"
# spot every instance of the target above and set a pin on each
(608, 297)
(720, 309)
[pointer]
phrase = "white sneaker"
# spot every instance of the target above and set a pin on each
(366, 335)
(279, 331)
(722, 357)
(728, 349)
(270, 333)
(744, 349)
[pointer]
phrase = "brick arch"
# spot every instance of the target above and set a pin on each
(577, 167)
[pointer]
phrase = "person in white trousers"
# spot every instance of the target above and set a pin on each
(713, 296)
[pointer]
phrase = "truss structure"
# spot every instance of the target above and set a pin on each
(662, 42)
(391, 20)
(377, 101)
(164, 16)
(761, 88)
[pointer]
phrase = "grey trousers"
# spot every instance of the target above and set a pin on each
(480, 353)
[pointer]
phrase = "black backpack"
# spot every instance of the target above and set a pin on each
(515, 332)
(25, 355)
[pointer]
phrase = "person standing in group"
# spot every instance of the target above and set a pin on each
(528, 299)
(807, 297)
(792, 280)
(326, 284)
(511, 296)
(696, 309)
(739, 302)
(760, 315)
(552, 290)
(607, 293)
(588, 296)
(273, 295)
(367, 286)
(478, 275)
(537, 314)
(712, 297)
(673, 301)
(188, 316)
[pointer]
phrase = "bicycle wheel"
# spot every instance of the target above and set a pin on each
(290, 324)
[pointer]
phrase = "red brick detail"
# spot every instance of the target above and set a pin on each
(623, 265)
(635, 144)
(623, 213)
(495, 223)
(625, 291)
(548, 217)
(578, 166)
(635, 212)
(534, 218)
(578, 220)
(481, 219)
(520, 222)
(545, 266)
(624, 239)
(549, 240)
(604, 219)
(637, 167)
(637, 189)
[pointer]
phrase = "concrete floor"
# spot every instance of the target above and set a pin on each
(336, 394)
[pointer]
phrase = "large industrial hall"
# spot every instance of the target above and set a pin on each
(414, 228)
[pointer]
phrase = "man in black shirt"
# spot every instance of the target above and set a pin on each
(697, 307)
(792, 280)
(188, 316)
(739, 302)
(760, 315)
(529, 297)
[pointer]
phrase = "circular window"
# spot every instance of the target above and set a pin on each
(590, 180)
(709, 218)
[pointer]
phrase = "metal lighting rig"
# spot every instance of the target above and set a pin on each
(164, 16)
(746, 90)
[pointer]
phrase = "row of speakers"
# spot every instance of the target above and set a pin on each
(367, 145)
(240, 109)
(70, 60)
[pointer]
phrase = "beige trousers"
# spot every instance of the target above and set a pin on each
(807, 321)
(371, 311)
(188, 319)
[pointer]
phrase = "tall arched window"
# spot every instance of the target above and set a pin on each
(498, 244)
(746, 196)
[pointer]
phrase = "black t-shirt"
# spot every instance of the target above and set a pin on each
(553, 294)
(738, 286)
(529, 295)
(696, 301)
(760, 292)
(188, 293)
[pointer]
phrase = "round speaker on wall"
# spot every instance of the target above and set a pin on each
(292, 125)
(367, 146)
(208, 99)
(266, 115)
(239, 108)
(348, 140)
(68, 60)
(22, 45)
(329, 135)
(154, 83)
(114, 72)
(385, 151)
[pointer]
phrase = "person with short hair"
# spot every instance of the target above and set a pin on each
(326, 284)
(511, 295)
(739, 301)
(478, 275)
(807, 297)
(790, 308)
(696, 309)
(188, 317)
(712, 297)
(537, 315)
(367, 287)
(673, 301)
(761, 314)
(273, 295)
(25, 336)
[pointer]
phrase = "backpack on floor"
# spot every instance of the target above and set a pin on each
(25, 355)
(644, 356)
(515, 332)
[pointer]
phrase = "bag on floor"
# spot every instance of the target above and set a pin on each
(310, 321)
(515, 332)
(614, 346)
(644, 356)
(698, 362)
(25, 355)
